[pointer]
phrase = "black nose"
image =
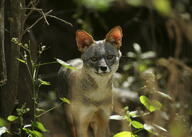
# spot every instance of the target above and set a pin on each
(103, 68)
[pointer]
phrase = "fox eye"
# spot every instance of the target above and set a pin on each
(110, 56)
(94, 59)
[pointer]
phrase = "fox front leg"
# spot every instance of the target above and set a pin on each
(100, 125)
(82, 116)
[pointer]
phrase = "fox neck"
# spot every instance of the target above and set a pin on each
(95, 81)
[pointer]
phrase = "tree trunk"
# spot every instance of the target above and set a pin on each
(9, 91)
(3, 71)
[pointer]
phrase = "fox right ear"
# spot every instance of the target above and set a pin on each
(83, 39)
(114, 36)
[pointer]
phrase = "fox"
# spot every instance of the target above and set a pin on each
(89, 87)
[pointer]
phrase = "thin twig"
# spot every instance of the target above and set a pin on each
(44, 16)
(49, 110)
(38, 10)
(42, 64)
(52, 16)
(37, 21)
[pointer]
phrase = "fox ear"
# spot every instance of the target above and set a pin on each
(83, 39)
(114, 36)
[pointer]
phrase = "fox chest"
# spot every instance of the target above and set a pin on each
(96, 96)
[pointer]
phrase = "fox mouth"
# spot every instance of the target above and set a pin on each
(102, 73)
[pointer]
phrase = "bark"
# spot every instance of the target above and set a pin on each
(9, 91)
(3, 71)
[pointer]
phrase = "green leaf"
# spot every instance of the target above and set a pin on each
(134, 2)
(65, 100)
(40, 110)
(22, 110)
(149, 128)
(137, 47)
(150, 105)
(21, 60)
(116, 117)
(40, 126)
(126, 117)
(134, 114)
(162, 6)
(144, 100)
(66, 65)
(37, 133)
(2, 122)
(33, 133)
(124, 134)
(137, 124)
(46, 83)
(156, 105)
(141, 67)
(12, 118)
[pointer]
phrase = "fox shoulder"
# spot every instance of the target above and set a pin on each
(64, 76)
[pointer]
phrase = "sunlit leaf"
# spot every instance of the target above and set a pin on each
(147, 55)
(156, 104)
(162, 6)
(66, 65)
(134, 2)
(22, 110)
(161, 128)
(65, 100)
(3, 130)
(126, 117)
(116, 117)
(101, 5)
(149, 128)
(21, 60)
(40, 126)
(152, 105)
(142, 67)
(127, 67)
(2, 122)
(40, 110)
(37, 133)
(28, 125)
(46, 83)
(137, 124)
(134, 114)
(33, 133)
(137, 47)
(131, 54)
(12, 118)
(124, 134)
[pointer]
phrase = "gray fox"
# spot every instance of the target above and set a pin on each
(89, 88)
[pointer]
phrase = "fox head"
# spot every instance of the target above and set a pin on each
(100, 57)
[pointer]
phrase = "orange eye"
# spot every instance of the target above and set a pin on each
(110, 56)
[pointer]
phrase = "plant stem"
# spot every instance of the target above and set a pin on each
(49, 110)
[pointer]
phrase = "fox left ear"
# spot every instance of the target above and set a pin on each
(114, 36)
(83, 39)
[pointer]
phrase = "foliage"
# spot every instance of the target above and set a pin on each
(66, 65)
(36, 128)
(101, 5)
(151, 96)
(124, 134)
(162, 110)
(151, 105)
